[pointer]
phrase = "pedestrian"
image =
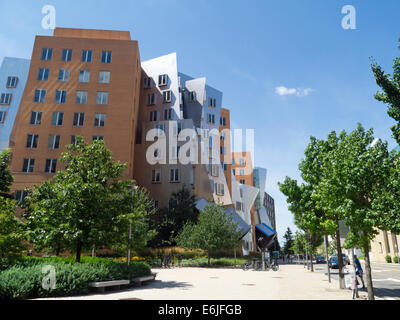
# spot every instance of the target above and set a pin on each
(29, 254)
(359, 270)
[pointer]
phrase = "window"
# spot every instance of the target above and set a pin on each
(160, 130)
(81, 97)
(47, 54)
(12, 82)
(104, 77)
(222, 121)
(66, 55)
(28, 165)
(86, 55)
(40, 96)
(54, 142)
(32, 141)
(151, 99)
(57, 118)
(239, 206)
(242, 162)
(192, 96)
(36, 118)
(174, 175)
(20, 196)
(234, 172)
(211, 118)
(74, 140)
(84, 76)
(241, 192)
(163, 80)
(219, 189)
(99, 120)
(156, 204)
(79, 119)
(61, 96)
(223, 150)
(215, 170)
(224, 166)
(102, 98)
(242, 181)
(106, 56)
(212, 102)
(168, 114)
(97, 138)
(63, 75)
(148, 83)
(154, 115)
(167, 96)
(5, 99)
(156, 176)
(2, 116)
(51, 166)
(242, 172)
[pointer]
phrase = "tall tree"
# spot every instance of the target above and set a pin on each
(6, 179)
(169, 221)
(213, 231)
(287, 246)
(354, 185)
(390, 94)
(12, 231)
(80, 207)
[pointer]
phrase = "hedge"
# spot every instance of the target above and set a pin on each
(23, 280)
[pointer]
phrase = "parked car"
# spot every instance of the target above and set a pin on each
(334, 261)
(320, 259)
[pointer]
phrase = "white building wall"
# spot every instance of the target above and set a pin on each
(19, 68)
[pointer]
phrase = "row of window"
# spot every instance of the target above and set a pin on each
(163, 81)
(66, 56)
(58, 119)
(54, 141)
(156, 115)
(64, 75)
(174, 175)
(152, 97)
(61, 97)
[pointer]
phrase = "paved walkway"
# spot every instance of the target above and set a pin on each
(291, 282)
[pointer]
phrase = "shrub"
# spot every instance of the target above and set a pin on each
(396, 259)
(388, 259)
(23, 280)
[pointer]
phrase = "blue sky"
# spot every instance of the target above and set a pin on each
(248, 49)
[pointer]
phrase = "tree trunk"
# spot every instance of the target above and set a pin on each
(58, 249)
(311, 262)
(209, 259)
(368, 273)
(78, 251)
(340, 259)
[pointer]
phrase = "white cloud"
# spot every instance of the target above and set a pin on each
(283, 91)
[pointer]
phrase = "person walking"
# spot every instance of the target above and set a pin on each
(359, 270)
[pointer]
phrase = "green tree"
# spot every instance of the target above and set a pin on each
(353, 187)
(287, 246)
(80, 208)
(169, 221)
(133, 231)
(213, 231)
(390, 94)
(6, 178)
(12, 232)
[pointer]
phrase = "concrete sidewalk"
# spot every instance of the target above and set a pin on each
(291, 282)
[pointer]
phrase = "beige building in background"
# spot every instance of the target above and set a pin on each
(384, 244)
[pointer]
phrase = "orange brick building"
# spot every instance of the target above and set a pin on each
(81, 82)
